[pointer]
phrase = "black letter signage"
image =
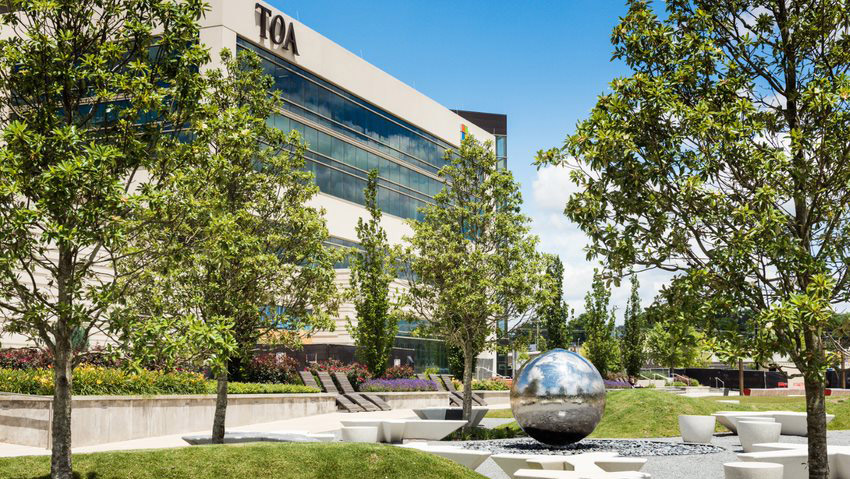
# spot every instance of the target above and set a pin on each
(277, 31)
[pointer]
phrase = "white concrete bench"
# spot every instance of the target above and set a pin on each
(793, 423)
(795, 461)
(752, 470)
(396, 430)
(359, 434)
(543, 474)
(757, 432)
(696, 429)
(465, 457)
(452, 413)
(597, 464)
(511, 463)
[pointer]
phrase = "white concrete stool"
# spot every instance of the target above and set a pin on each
(359, 434)
(752, 470)
(696, 429)
(757, 432)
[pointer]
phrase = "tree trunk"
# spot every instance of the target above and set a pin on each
(220, 408)
(843, 372)
(816, 427)
(741, 376)
(60, 461)
(468, 367)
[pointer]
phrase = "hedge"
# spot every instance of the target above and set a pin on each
(264, 388)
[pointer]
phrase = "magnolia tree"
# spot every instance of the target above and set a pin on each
(723, 155)
(472, 259)
(373, 269)
(92, 97)
(249, 261)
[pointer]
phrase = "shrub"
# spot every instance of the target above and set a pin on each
(356, 372)
(397, 385)
(271, 368)
(694, 382)
(260, 388)
(399, 372)
(95, 380)
(616, 384)
(489, 385)
(25, 358)
(679, 384)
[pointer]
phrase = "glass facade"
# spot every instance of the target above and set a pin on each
(347, 137)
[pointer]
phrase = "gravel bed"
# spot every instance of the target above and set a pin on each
(625, 447)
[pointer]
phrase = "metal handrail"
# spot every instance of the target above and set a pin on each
(721, 382)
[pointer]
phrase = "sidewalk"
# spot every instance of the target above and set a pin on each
(310, 424)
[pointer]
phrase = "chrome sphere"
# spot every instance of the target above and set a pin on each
(558, 397)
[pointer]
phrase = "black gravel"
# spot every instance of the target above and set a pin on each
(633, 448)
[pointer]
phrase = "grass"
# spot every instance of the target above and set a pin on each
(639, 413)
(255, 461)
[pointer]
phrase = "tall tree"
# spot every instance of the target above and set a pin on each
(601, 347)
(472, 257)
(253, 263)
(633, 342)
(373, 269)
(554, 312)
(724, 154)
(92, 94)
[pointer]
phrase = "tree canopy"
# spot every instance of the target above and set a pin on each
(723, 155)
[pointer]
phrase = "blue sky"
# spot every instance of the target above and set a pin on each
(543, 63)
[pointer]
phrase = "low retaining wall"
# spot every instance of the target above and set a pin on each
(836, 392)
(495, 397)
(415, 400)
(775, 392)
(25, 420)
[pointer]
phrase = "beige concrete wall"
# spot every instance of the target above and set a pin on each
(25, 420)
(415, 400)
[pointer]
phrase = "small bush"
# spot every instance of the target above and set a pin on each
(99, 381)
(399, 372)
(679, 384)
(397, 385)
(356, 372)
(271, 368)
(616, 384)
(651, 385)
(259, 388)
(489, 385)
(694, 382)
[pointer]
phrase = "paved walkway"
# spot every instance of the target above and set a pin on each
(311, 424)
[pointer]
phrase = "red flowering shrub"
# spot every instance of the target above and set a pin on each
(271, 368)
(399, 372)
(25, 358)
(356, 372)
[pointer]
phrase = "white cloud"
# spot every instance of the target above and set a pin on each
(551, 189)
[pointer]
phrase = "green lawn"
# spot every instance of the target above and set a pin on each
(252, 461)
(647, 413)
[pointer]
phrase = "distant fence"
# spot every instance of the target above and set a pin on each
(729, 377)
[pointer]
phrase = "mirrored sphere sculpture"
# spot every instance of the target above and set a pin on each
(558, 397)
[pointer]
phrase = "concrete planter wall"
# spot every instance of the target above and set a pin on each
(25, 420)
(495, 397)
(415, 400)
(774, 392)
